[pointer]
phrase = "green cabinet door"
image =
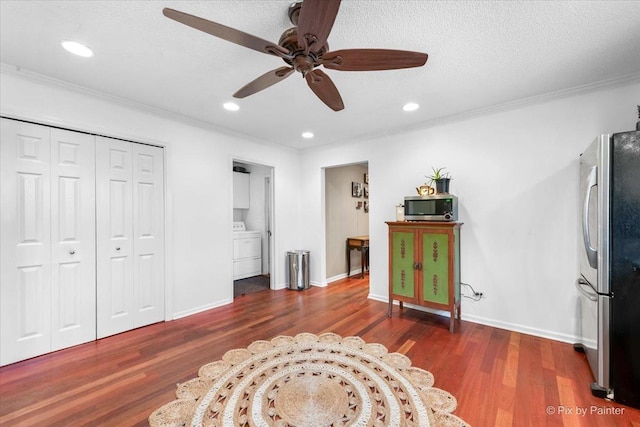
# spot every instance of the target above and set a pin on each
(435, 267)
(403, 250)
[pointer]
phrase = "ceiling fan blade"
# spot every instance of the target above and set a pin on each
(372, 59)
(264, 81)
(226, 33)
(315, 22)
(324, 89)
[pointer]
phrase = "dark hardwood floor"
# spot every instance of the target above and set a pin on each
(500, 378)
(250, 285)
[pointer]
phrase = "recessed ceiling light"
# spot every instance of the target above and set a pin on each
(307, 135)
(231, 106)
(410, 106)
(77, 49)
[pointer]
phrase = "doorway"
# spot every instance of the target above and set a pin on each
(346, 215)
(253, 227)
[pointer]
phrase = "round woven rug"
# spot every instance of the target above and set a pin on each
(309, 381)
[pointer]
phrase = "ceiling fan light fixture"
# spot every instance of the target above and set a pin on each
(307, 135)
(231, 106)
(410, 106)
(77, 48)
(304, 48)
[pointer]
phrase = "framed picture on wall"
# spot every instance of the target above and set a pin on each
(356, 189)
(365, 190)
(366, 206)
(366, 178)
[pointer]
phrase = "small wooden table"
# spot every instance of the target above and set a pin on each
(361, 244)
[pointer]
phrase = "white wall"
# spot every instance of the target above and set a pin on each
(199, 182)
(516, 175)
(514, 171)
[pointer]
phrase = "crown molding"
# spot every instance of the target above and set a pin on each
(525, 102)
(485, 111)
(457, 117)
(158, 112)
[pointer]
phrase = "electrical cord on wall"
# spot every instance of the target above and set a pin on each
(477, 296)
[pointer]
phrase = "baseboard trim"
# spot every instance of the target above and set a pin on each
(514, 327)
(344, 275)
(286, 286)
(336, 278)
(381, 298)
(200, 309)
(542, 333)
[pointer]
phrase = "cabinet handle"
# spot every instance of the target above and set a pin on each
(117, 249)
(72, 252)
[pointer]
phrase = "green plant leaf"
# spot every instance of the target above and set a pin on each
(437, 174)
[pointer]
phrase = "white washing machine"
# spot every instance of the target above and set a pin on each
(247, 250)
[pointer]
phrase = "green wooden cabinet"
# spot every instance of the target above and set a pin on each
(404, 283)
(424, 265)
(435, 267)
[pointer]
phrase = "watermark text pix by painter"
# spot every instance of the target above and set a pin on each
(583, 411)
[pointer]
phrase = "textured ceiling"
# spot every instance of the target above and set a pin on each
(481, 54)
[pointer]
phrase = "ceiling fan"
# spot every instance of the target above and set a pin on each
(304, 48)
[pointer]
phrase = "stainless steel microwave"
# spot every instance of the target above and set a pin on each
(437, 207)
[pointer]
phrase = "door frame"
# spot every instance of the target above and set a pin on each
(270, 207)
(268, 213)
(325, 192)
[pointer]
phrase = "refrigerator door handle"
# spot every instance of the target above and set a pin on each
(592, 253)
(581, 284)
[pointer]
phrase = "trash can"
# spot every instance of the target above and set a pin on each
(298, 266)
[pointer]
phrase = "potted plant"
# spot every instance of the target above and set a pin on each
(441, 179)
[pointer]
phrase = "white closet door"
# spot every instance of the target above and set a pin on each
(25, 233)
(81, 238)
(73, 239)
(130, 233)
(114, 219)
(148, 231)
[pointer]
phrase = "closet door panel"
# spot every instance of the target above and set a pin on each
(73, 238)
(81, 238)
(148, 226)
(25, 229)
(114, 220)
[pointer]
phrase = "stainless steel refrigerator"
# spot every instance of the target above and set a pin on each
(609, 281)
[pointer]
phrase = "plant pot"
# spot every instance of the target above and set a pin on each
(442, 185)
